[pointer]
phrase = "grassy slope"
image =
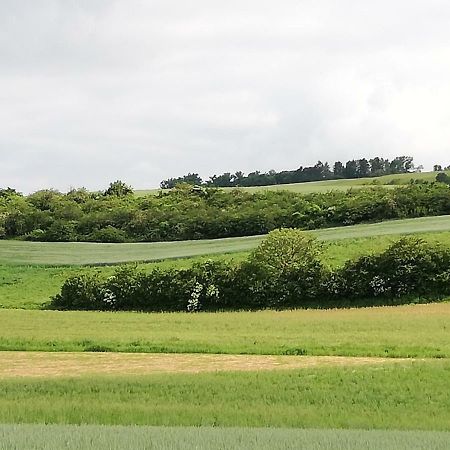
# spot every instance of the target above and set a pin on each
(412, 397)
(56, 253)
(91, 437)
(330, 185)
(407, 331)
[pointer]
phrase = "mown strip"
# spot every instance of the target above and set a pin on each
(413, 396)
(88, 437)
(64, 364)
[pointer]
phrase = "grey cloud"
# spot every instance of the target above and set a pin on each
(91, 91)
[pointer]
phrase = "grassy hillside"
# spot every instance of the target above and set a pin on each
(61, 253)
(330, 185)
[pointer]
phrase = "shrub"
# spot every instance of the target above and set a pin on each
(410, 266)
(285, 271)
(82, 292)
(108, 234)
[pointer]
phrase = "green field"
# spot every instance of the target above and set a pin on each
(91, 437)
(332, 185)
(404, 331)
(415, 396)
(61, 253)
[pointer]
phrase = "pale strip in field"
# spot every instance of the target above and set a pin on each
(65, 364)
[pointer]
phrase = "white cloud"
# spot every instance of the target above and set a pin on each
(92, 91)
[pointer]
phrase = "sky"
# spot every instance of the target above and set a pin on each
(92, 91)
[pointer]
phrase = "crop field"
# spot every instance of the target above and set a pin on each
(387, 181)
(82, 253)
(91, 437)
(406, 396)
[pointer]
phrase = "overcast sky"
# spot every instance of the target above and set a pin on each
(97, 90)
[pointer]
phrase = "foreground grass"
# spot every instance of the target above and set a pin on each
(63, 253)
(414, 396)
(403, 331)
(91, 437)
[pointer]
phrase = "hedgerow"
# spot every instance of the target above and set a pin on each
(188, 212)
(285, 271)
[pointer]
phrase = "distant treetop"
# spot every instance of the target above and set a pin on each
(356, 168)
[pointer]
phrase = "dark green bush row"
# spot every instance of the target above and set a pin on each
(200, 213)
(284, 272)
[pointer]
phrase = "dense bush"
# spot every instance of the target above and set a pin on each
(285, 271)
(200, 213)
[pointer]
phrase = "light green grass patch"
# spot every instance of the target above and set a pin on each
(91, 437)
(403, 331)
(62, 253)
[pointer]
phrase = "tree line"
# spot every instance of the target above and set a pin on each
(355, 168)
(188, 212)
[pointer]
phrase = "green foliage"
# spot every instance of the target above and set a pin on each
(359, 168)
(81, 292)
(118, 189)
(285, 271)
(408, 267)
(443, 178)
(190, 213)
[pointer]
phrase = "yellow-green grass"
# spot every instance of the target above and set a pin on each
(62, 253)
(117, 437)
(30, 286)
(407, 396)
(388, 181)
(419, 331)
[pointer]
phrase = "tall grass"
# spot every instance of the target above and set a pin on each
(51, 437)
(412, 396)
(404, 331)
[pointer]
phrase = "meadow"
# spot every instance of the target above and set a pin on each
(419, 331)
